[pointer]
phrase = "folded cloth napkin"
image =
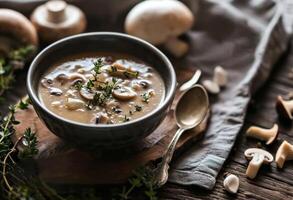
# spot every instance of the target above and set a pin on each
(245, 37)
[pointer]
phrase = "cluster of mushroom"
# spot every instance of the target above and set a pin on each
(219, 81)
(258, 156)
(285, 150)
(161, 23)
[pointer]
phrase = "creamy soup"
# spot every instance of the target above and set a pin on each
(101, 88)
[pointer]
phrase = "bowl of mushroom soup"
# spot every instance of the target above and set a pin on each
(101, 89)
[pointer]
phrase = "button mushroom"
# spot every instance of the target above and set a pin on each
(56, 19)
(231, 183)
(284, 152)
(161, 22)
(285, 108)
(15, 30)
(267, 135)
(220, 76)
(124, 93)
(257, 157)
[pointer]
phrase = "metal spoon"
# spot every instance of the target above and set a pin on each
(190, 111)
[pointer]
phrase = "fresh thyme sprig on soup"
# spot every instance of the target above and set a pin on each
(101, 88)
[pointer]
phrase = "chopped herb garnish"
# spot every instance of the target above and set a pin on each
(146, 97)
(90, 84)
(126, 119)
(99, 99)
(98, 64)
(138, 108)
(116, 110)
(131, 74)
(78, 85)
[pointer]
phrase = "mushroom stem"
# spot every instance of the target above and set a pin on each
(285, 152)
(254, 165)
(56, 11)
(285, 108)
(267, 135)
(176, 47)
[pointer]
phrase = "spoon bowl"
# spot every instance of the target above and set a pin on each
(192, 107)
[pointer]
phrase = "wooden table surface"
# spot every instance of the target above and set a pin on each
(271, 183)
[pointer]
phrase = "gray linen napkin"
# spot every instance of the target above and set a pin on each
(245, 37)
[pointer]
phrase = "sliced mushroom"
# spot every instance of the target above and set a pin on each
(55, 91)
(285, 152)
(124, 93)
(257, 157)
(285, 108)
(85, 93)
(231, 183)
(161, 22)
(267, 135)
(46, 82)
(74, 104)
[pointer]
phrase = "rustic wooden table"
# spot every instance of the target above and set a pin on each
(271, 183)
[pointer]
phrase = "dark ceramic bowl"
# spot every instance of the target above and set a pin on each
(109, 136)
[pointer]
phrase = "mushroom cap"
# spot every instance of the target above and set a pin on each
(250, 153)
(282, 109)
(157, 21)
(15, 24)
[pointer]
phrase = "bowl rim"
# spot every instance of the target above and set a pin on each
(169, 96)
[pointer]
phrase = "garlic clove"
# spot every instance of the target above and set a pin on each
(211, 86)
(231, 183)
(220, 76)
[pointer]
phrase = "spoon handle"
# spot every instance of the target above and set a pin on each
(187, 85)
(163, 167)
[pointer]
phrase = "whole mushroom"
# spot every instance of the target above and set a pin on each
(15, 31)
(161, 22)
(57, 19)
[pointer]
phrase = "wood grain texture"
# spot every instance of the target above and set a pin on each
(84, 168)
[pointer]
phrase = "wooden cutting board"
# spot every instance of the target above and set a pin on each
(59, 163)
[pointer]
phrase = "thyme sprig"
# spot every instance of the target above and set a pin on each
(9, 63)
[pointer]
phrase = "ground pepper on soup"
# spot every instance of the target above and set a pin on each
(101, 88)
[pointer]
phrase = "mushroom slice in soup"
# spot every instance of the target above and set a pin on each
(85, 93)
(124, 93)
